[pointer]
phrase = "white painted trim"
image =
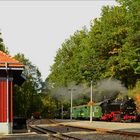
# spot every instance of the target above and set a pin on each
(5, 78)
(11, 68)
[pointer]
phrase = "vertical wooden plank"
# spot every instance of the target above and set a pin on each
(5, 102)
(10, 101)
(1, 98)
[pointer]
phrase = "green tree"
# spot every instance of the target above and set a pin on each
(49, 106)
(26, 98)
(128, 68)
(2, 46)
(68, 61)
(111, 48)
(135, 94)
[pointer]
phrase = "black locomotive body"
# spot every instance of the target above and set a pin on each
(119, 110)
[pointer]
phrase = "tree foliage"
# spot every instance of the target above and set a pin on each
(2, 46)
(110, 48)
(49, 106)
(26, 97)
(66, 67)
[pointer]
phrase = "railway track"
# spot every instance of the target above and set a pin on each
(59, 131)
(52, 133)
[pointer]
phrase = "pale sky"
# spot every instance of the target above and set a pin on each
(38, 28)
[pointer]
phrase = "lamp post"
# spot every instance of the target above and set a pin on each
(62, 111)
(71, 105)
(71, 102)
(91, 103)
(61, 103)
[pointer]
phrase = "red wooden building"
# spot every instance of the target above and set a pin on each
(10, 73)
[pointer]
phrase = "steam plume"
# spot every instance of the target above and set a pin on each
(108, 88)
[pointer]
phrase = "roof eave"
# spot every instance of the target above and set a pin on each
(12, 68)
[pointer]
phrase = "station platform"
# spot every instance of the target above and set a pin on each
(117, 126)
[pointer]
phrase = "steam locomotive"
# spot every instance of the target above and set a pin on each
(119, 110)
(116, 110)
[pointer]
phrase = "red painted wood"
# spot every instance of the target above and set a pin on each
(10, 101)
(1, 98)
(3, 101)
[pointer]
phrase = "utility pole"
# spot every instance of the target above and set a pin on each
(91, 103)
(62, 107)
(71, 101)
(62, 110)
(71, 105)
